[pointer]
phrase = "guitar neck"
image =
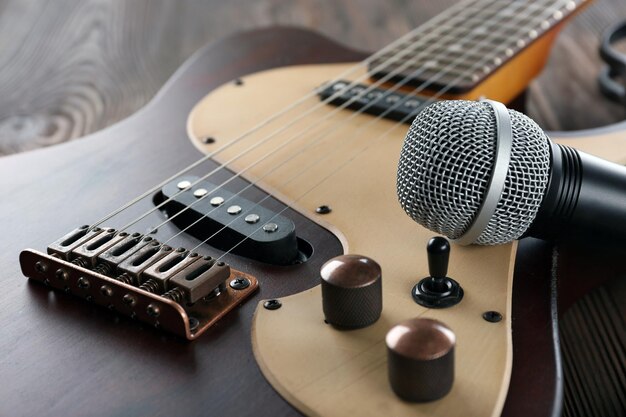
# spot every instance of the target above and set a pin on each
(460, 48)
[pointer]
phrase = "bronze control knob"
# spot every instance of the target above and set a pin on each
(351, 291)
(420, 359)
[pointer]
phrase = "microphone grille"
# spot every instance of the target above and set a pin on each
(446, 164)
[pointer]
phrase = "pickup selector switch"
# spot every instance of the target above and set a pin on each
(351, 291)
(437, 290)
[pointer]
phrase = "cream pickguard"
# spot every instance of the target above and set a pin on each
(349, 163)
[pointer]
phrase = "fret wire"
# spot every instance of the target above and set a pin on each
(245, 135)
(564, 12)
(415, 91)
(461, 36)
(491, 6)
(444, 29)
(442, 52)
(431, 27)
(473, 56)
(458, 70)
(534, 5)
(328, 176)
(481, 21)
(268, 137)
(504, 45)
(368, 61)
(453, 12)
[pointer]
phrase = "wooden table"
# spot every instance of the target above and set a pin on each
(70, 68)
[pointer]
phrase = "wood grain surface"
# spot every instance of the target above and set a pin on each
(70, 68)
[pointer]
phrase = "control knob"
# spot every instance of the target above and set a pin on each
(351, 291)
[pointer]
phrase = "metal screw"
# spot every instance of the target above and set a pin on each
(216, 201)
(200, 192)
(324, 209)
(129, 299)
(492, 316)
(83, 283)
(41, 267)
(61, 274)
(235, 209)
(193, 323)
(239, 283)
(106, 291)
(270, 227)
(153, 310)
(272, 304)
(208, 140)
(238, 81)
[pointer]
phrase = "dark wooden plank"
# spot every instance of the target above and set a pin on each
(82, 360)
(71, 68)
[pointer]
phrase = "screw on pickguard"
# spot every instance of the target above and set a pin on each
(175, 290)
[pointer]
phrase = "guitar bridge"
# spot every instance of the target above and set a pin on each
(171, 289)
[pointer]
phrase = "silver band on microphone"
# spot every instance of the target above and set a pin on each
(504, 143)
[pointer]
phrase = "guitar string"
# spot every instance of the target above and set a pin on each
(341, 166)
(305, 130)
(423, 86)
(324, 136)
(316, 162)
(300, 134)
(288, 108)
(301, 172)
(273, 134)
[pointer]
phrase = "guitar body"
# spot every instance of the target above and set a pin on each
(79, 359)
(64, 356)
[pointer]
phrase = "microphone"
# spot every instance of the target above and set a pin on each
(480, 173)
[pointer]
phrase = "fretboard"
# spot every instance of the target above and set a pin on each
(459, 48)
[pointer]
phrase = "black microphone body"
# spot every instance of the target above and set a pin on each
(585, 197)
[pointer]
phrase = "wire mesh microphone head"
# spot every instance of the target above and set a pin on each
(447, 163)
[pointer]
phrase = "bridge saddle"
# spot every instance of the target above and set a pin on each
(171, 289)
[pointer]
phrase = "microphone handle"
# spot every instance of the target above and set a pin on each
(585, 198)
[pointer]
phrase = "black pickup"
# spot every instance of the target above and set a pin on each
(376, 101)
(229, 222)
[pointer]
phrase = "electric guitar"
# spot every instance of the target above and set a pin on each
(300, 141)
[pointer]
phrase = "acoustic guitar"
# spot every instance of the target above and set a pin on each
(267, 154)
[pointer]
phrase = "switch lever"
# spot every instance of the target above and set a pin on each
(437, 290)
